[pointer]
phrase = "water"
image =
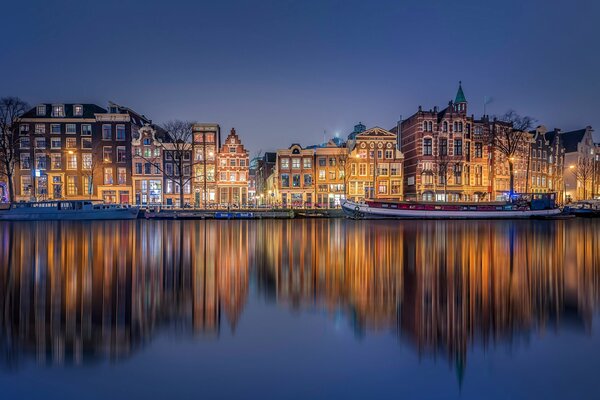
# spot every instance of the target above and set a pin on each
(300, 309)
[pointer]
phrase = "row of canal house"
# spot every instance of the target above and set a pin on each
(84, 151)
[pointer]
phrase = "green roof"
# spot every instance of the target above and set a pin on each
(460, 96)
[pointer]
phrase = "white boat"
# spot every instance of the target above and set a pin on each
(63, 210)
(541, 206)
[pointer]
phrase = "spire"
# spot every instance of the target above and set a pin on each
(460, 96)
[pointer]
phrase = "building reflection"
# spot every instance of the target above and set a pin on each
(76, 292)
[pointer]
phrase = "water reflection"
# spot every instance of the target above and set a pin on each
(76, 292)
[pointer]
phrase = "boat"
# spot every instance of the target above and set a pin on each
(63, 210)
(585, 209)
(539, 206)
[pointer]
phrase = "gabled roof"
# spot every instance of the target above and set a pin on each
(571, 139)
(89, 110)
(375, 131)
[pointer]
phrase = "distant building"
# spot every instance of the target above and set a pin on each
(374, 166)
(206, 143)
(264, 168)
(233, 167)
(76, 151)
(580, 164)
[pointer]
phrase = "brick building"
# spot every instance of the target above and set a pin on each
(76, 151)
(295, 176)
(330, 174)
(232, 179)
(147, 159)
(446, 154)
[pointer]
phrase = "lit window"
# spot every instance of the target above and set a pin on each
(121, 176)
(107, 154)
(58, 110)
(108, 176)
(72, 161)
(55, 161)
(295, 163)
(71, 143)
(78, 110)
(86, 161)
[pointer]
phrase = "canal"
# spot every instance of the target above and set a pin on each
(307, 308)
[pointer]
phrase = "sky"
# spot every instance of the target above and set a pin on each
(296, 71)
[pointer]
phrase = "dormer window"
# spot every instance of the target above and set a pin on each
(58, 110)
(41, 110)
(78, 110)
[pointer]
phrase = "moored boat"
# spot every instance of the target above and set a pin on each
(67, 210)
(586, 209)
(540, 206)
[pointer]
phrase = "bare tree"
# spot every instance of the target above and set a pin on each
(584, 173)
(508, 137)
(342, 161)
(444, 163)
(11, 108)
(92, 168)
(176, 145)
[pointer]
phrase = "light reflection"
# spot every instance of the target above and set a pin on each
(76, 292)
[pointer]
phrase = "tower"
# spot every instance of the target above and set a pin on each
(460, 102)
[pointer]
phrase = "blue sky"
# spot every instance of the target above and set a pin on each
(286, 71)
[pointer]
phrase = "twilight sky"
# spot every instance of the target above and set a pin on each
(283, 71)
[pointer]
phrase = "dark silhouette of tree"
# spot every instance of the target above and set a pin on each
(11, 108)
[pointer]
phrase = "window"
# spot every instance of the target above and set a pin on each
(306, 163)
(71, 129)
(427, 148)
(107, 154)
(108, 176)
(55, 128)
(362, 169)
(40, 161)
(86, 130)
(458, 147)
(71, 185)
(40, 110)
(331, 175)
(296, 180)
(78, 110)
(242, 176)
(40, 128)
(26, 185)
(120, 132)
(242, 163)
(86, 143)
(55, 143)
(389, 154)
(443, 147)
(285, 180)
(395, 169)
(232, 162)
(478, 150)
(322, 161)
(106, 132)
(58, 110)
(121, 155)
(138, 168)
(458, 174)
(55, 161)
(321, 174)
(396, 187)
(24, 143)
(295, 163)
(25, 159)
(71, 143)
(332, 161)
(40, 143)
(285, 163)
(147, 153)
(307, 180)
(147, 168)
(232, 176)
(86, 161)
(424, 125)
(121, 176)
(71, 161)
(232, 149)
(383, 186)
(445, 126)
(24, 129)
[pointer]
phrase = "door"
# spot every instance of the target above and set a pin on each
(124, 197)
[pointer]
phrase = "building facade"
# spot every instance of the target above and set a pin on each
(76, 151)
(206, 143)
(330, 174)
(147, 159)
(232, 180)
(374, 166)
(446, 154)
(295, 177)
(580, 168)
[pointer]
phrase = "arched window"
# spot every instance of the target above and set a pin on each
(460, 126)
(430, 124)
(455, 128)
(424, 125)
(445, 126)
(468, 128)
